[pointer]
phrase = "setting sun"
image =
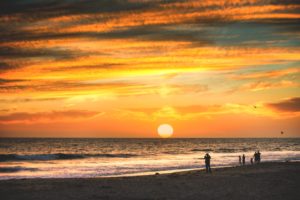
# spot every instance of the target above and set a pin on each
(165, 130)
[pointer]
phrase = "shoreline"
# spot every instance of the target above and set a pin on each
(163, 172)
(152, 173)
(267, 180)
(175, 171)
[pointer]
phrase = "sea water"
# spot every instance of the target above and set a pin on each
(76, 158)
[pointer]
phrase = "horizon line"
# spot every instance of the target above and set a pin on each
(292, 137)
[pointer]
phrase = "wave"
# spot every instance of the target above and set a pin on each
(227, 150)
(16, 169)
(202, 150)
(220, 150)
(59, 156)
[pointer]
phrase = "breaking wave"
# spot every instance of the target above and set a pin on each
(15, 169)
(59, 156)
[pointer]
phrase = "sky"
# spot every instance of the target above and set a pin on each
(120, 68)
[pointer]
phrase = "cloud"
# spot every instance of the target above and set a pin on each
(64, 85)
(110, 66)
(186, 112)
(20, 57)
(264, 85)
(120, 19)
(26, 117)
(266, 74)
(7, 81)
(4, 66)
(288, 109)
(27, 100)
(158, 33)
(50, 8)
(15, 53)
(118, 87)
(289, 105)
(139, 33)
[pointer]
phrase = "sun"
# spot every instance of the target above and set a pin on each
(165, 130)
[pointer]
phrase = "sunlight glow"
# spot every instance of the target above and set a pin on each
(165, 130)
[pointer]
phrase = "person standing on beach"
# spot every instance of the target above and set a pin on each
(255, 157)
(207, 163)
(244, 159)
(251, 161)
(240, 160)
(258, 156)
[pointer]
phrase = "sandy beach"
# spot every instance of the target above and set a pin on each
(263, 181)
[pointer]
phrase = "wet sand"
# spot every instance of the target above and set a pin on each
(272, 181)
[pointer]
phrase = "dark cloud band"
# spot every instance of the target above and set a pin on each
(290, 105)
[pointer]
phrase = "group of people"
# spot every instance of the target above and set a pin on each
(257, 157)
(242, 160)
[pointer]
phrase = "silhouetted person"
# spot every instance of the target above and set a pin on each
(240, 160)
(258, 156)
(207, 162)
(244, 159)
(251, 161)
(255, 157)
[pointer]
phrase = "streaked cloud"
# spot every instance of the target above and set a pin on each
(42, 117)
(268, 74)
(288, 105)
(192, 112)
(265, 85)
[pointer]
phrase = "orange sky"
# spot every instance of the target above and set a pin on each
(120, 68)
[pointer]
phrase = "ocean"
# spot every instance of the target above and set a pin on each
(94, 157)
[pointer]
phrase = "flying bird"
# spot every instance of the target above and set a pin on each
(282, 132)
